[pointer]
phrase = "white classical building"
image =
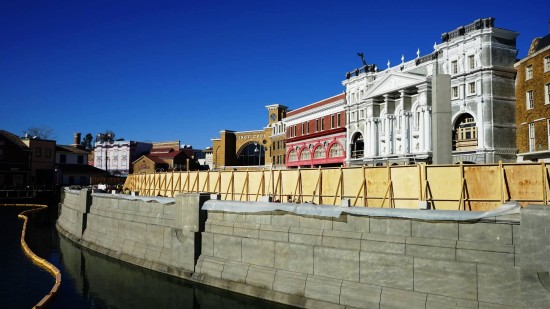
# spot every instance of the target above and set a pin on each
(116, 157)
(390, 116)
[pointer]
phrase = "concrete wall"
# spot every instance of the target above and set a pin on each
(149, 234)
(367, 262)
(305, 261)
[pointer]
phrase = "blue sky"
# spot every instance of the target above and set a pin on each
(184, 70)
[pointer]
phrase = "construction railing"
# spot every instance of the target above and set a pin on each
(450, 187)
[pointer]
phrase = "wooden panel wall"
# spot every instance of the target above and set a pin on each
(451, 187)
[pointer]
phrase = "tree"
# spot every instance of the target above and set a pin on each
(42, 132)
(108, 136)
(87, 141)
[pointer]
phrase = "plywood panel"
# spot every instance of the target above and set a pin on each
(444, 182)
(483, 182)
(377, 185)
(331, 186)
(445, 205)
(254, 185)
(310, 178)
(406, 182)
(289, 179)
(353, 185)
(226, 186)
(524, 182)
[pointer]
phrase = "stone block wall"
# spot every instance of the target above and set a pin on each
(364, 261)
(307, 261)
(157, 236)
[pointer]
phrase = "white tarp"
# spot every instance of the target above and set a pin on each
(508, 208)
(158, 199)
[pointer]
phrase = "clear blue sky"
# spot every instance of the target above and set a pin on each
(184, 70)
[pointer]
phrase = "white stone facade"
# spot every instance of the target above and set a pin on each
(116, 157)
(390, 112)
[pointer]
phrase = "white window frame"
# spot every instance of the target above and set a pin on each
(546, 64)
(547, 94)
(454, 67)
(322, 123)
(528, 72)
(338, 123)
(471, 62)
(529, 99)
(531, 137)
(471, 90)
(454, 92)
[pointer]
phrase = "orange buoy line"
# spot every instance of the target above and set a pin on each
(35, 258)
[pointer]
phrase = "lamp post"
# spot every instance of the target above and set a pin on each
(105, 139)
(258, 150)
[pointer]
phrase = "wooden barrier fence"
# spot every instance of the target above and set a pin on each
(449, 187)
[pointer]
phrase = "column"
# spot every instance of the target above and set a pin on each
(376, 140)
(407, 133)
(428, 129)
(390, 138)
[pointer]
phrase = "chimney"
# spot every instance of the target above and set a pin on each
(76, 139)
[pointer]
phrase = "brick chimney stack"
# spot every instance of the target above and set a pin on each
(76, 139)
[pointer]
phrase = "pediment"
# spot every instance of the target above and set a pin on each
(394, 82)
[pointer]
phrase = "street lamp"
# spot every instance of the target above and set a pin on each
(256, 150)
(105, 139)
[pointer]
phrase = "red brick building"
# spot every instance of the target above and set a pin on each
(533, 102)
(316, 134)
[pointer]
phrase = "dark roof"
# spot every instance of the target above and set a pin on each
(72, 149)
(161, 150)
(538, 44)
(168, 155)
(543, 42)
(82, 169)
(14, 139)
(155, 159)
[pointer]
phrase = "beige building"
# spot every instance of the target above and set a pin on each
(247, 148)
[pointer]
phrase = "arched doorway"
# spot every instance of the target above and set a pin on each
(251, 154)
(465, 133)
(357, 146)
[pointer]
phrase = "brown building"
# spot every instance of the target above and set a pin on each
(43, 160)
(149, 164)
(533, 102)
(277, 149)
(247, 148)
(15, 161)
(162, 160)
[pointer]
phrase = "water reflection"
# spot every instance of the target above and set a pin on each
(114, 284)
(92, 280)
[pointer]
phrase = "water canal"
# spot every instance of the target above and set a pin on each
(92, 280)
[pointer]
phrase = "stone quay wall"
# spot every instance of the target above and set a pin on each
(310, 261)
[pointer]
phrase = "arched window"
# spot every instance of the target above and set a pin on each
(305, 155)
(319, 153)
(292, 156)
(252, 154)
(465, 133)
(336, 151)
(357, 146)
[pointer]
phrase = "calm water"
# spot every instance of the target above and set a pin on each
(91, 280)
